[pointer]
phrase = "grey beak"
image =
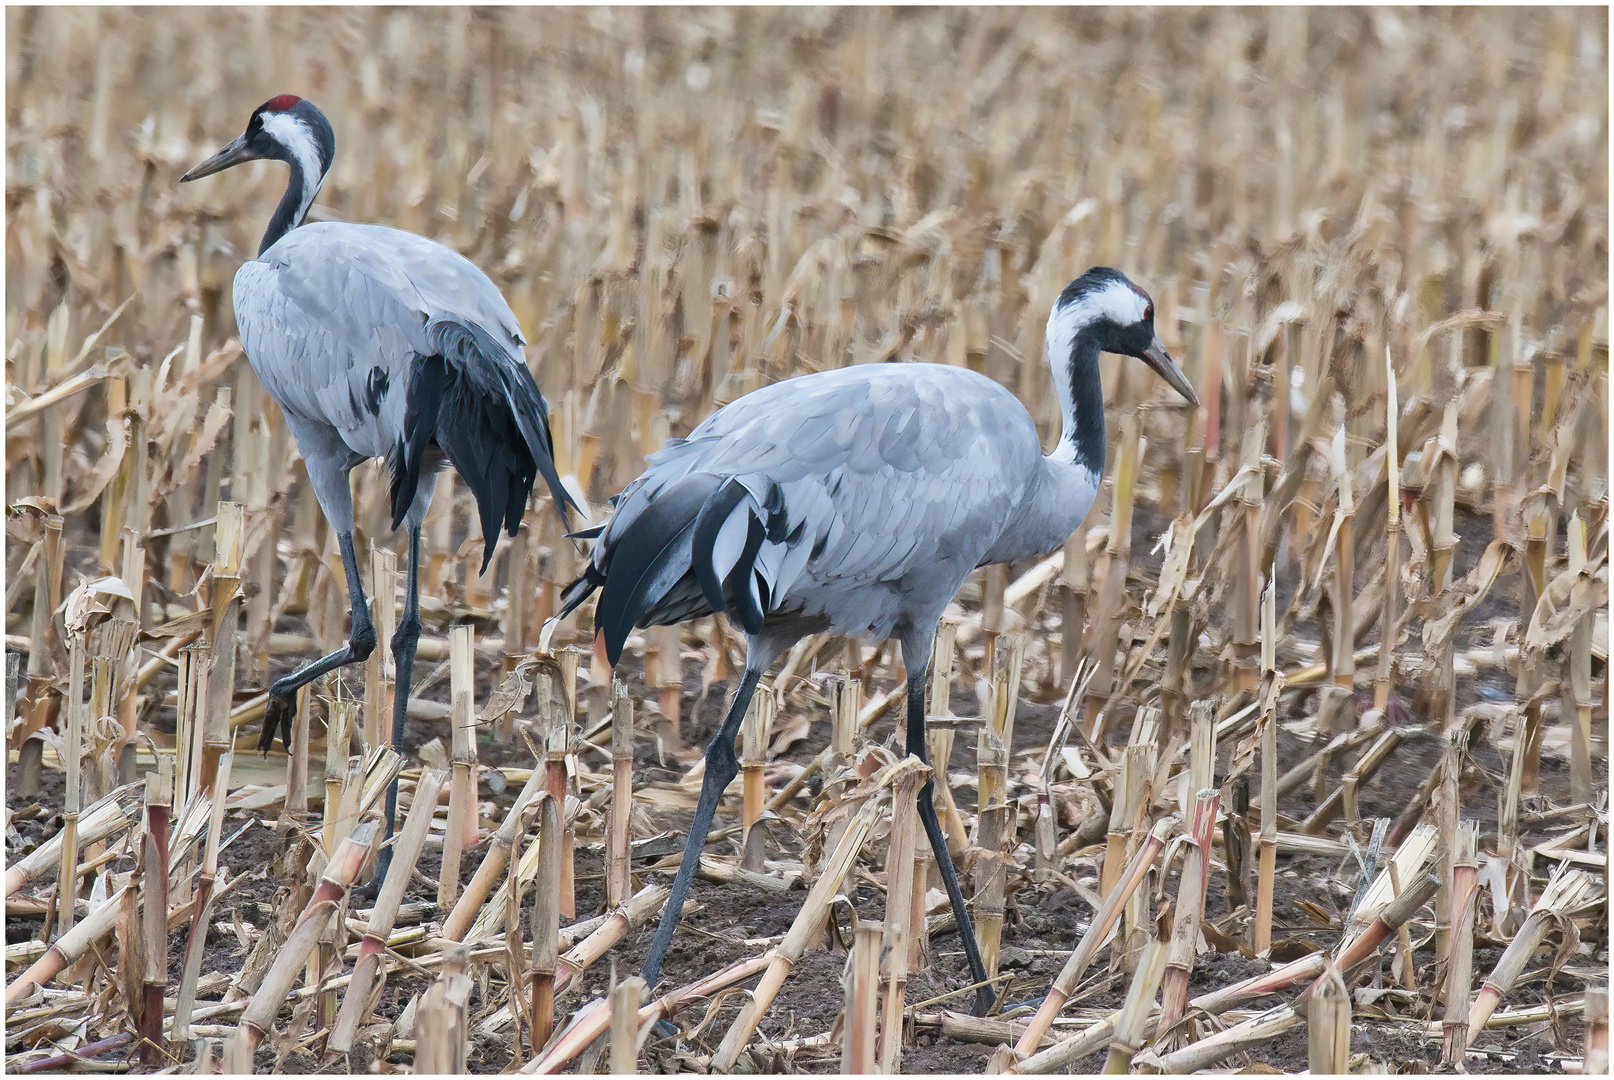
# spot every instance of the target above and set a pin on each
(1157, 357)
(233, 154)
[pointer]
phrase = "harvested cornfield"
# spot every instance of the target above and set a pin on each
(1295, 757)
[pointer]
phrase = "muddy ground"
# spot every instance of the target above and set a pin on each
(1043, 920)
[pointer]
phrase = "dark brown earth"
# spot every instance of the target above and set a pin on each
(1043, 921)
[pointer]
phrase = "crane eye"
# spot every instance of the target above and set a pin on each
(1148, 311)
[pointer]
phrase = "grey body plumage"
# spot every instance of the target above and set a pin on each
(845, 449)
(331, 303)
(379, 343)
(856, 501)
(338, 319)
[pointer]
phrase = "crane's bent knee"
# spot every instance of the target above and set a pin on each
(406, 637)
(361, 642)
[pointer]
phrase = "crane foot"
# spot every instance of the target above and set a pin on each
(277, 717)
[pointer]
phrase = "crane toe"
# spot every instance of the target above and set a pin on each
(277, 716)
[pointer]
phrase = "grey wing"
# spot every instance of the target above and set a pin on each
(805, 491)
(929, 472)
(335, 317)
(324, 370)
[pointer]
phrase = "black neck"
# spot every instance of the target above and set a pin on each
(1084, 428)
(288, 215)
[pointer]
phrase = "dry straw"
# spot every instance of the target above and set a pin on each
(1301, 627)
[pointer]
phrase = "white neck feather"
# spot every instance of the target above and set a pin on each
(1117, 302)
(295, 135)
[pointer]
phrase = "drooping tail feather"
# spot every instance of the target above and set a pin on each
(425, 399)
(474, 350)
(478, 435)
(532, 417)
(714, 514)
(573, 595)
(483, 410)
(738, 584)
(641, 557)
(703, 543)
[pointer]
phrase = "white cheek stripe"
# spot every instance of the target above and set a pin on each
(292, 133)
(1063, 325)
(1116, 301)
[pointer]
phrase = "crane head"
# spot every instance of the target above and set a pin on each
(1119, 317)
(284, 128)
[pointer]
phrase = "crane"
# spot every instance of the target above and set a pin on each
(856, 501)
(375, 343)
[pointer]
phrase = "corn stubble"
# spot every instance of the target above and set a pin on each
(1386, 528)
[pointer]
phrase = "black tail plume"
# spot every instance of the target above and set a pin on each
(714, 512)
(420, 416)
(738, 582)
(639, 557)
(483, 410)
(506, 378)
(573, 595)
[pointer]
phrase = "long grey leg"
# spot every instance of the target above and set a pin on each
(721, 767)
(404, 640)
(938, 841)
(282, 705)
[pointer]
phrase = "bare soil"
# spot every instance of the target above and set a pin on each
(1042, 924)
